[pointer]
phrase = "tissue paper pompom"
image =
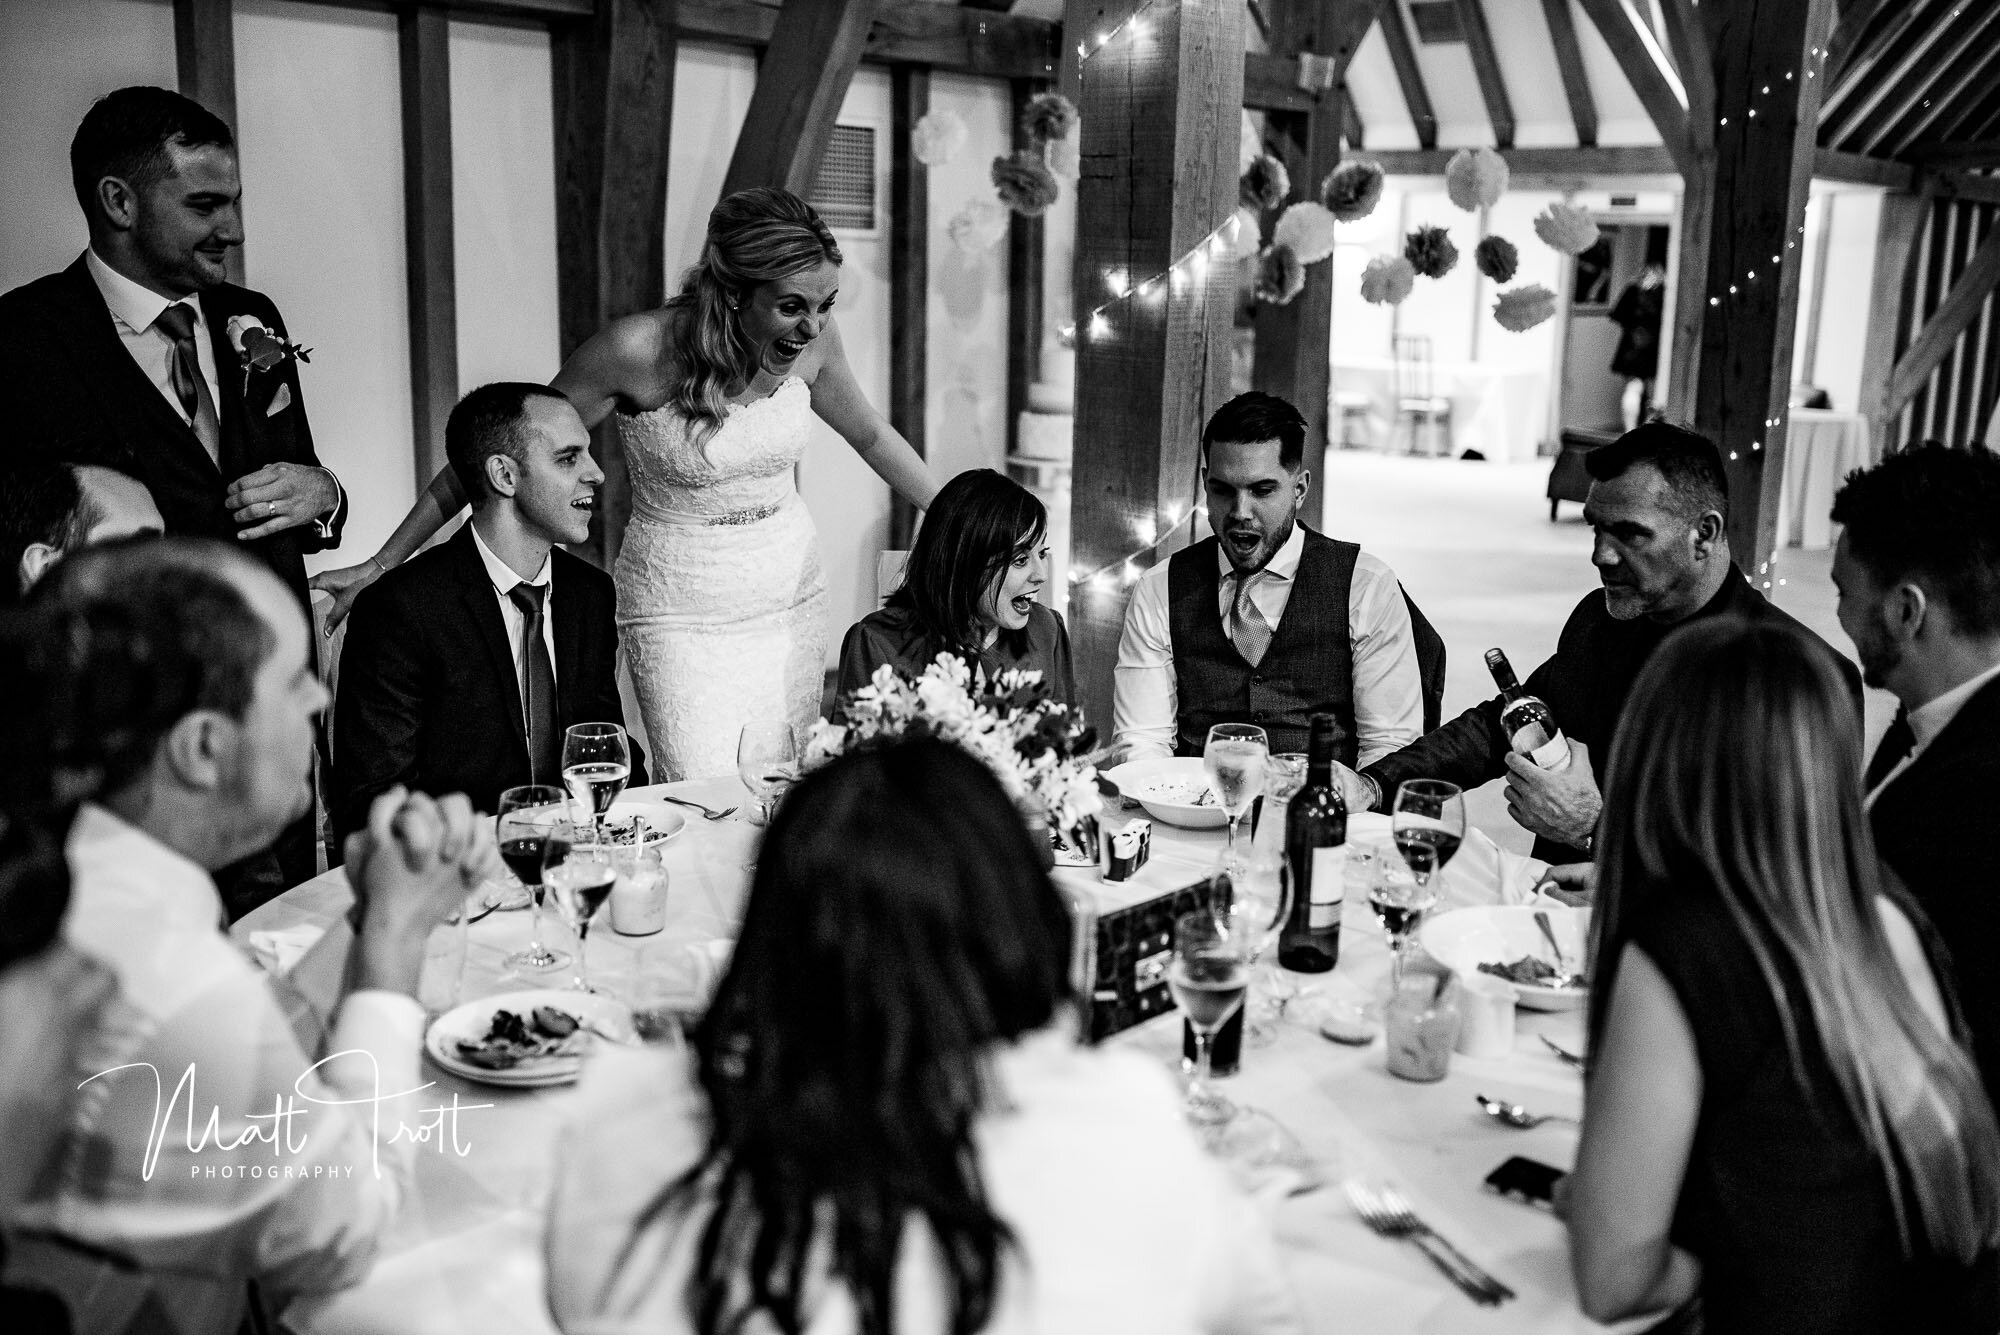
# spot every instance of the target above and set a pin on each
(1065, 160)
(1280, 275)
(1566, 228)
(978, 226)
(1352, 190)
(1264, 183)
(1496, 258)
(1307, 229)
(1048, 117)
(1524, 307)
(1430, 251)
(936, 138)
(1025, 183)
(1475, 178)
(1387, 280)
(1247, 244)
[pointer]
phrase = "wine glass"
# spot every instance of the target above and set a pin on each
(1400, 898)
(767, 757)
(1235, 756)
(1428, 817)
(595, 764)
(528, 814)
(1208, 975)
(581, 874)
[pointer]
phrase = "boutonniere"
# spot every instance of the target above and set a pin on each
(260, 349)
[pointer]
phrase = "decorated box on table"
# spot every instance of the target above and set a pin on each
(1125, 974)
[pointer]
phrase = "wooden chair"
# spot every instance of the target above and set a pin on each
(1418, 405)
(1354, 407)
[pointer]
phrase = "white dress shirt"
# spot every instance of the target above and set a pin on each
(301, 1204)
(1928, 720)
(504, 579)
(1388, 692)
(1123, 1225)
(134, 309)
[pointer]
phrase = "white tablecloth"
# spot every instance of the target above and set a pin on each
(1501, 411)
(1821, 448)
(467, 1256)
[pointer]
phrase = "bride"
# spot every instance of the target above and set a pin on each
(722, 606)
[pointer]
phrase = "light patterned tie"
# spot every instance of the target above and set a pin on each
(177, 323)
(1247, 626)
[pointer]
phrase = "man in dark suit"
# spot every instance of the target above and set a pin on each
(1659, 509)
(464, 666)
(142, 358)
(1917, 569)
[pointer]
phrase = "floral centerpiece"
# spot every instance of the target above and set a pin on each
(1036, 747)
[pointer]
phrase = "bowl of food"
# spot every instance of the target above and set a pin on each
(1505, 942)
(1175, 790)
(639, 822)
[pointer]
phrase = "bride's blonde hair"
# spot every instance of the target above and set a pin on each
(754, 236)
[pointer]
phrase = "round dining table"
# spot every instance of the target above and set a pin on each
(466, 1253)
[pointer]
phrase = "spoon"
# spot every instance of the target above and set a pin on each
(1514, 1115)
(1564, 977)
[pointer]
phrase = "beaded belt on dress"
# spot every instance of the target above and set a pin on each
(731, 517)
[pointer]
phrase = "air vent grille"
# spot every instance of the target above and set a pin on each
(844, 193)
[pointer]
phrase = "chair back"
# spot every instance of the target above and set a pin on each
(1413, 366)
(1430, 662)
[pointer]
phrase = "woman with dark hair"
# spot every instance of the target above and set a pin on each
(969, 589)
(722, 603)
(1781, 1114)
(887, 1122)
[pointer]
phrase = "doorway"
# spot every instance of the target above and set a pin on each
(1617, 295)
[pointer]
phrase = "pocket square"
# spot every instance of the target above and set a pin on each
(279, 401)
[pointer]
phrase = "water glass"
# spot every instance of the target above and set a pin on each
(1234, 757)
(1422, 1023)
(767, 759)
(439, 985)
(596, 761)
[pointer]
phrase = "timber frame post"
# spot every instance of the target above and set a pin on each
(1160, 109)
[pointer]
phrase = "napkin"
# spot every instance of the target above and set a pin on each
(280, 949)
(1481, 873)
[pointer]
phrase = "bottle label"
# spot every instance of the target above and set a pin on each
(1329, 885)
(1552, 754)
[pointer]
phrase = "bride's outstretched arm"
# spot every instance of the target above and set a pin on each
(839, 402)
(439, 502)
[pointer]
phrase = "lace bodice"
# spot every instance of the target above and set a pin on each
(744, 467)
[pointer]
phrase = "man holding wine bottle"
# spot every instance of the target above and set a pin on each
(465, 666)
(1658, 509)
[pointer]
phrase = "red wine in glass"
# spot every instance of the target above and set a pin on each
(1425, 850)
(523, 857)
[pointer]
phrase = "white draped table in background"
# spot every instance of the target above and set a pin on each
(467, 1256)
(1501, 411)
(1821, 448)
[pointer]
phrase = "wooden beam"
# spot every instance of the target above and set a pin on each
(1854, 169)
(1937, 153)
(1942, 331)
(1691, 244)
(1619, 160)
(1967, 186)
(424, 46)
(1848, 62)
(1351, 128)
(1271, 83)
(614, 96)
(946, 38)
(1687, 42)
(1969, 61)
(205, 67)
(1845, 39)
(537, 13)
(800, 85)
(1026, 246)
(1158, 162)
(1569, 62)
(1878, 75)
(1486, 66)
(909, 277)
(1403, 55)
(1896, 251)
(1639, 60)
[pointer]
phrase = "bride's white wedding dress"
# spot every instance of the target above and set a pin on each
(722, 603)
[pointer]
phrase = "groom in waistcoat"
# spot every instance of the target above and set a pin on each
(1266, 622)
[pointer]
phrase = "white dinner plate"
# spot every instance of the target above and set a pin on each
(1140, 779)
(472, 1020)
(663, 818)
(1463, 939)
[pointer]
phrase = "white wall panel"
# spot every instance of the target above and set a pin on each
(965, 418)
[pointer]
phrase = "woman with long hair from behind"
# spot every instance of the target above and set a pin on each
(887, 1122)
(970, 590)
(1781, 1114)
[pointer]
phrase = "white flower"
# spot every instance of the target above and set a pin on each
(936, 139)
(978, 226)
(1475, 178)
(240, 325)
(1308, 229)
(1567, 228)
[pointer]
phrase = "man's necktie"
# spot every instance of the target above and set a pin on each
(1897, 743)
(1247, 626)
(177, 322)
(538, 689)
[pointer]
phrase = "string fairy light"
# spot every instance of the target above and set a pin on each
(1133, 24)
(1192, 266)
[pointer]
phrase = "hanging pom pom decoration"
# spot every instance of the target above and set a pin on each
(1024, 182)
(936, 139)
(1430, 251)
(1352, 190)
(1524, 307)
(1387, 280)
(1497, 258)
(1475, 178)
(1280, 275)
(1264, 183)
(1047, 118)
(1307, 229)
(978, 226)
(1064, 159)
(1248, 247)
(1566, 228)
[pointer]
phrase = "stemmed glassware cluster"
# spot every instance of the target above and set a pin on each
(1428, 819)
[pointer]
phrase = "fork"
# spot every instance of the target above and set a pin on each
(723, 814)
(1385, 1211)
(1569, 1059)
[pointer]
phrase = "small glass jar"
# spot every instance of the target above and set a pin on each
(639, 895)
(1422, 1022)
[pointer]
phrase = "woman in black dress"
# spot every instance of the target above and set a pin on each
(969, 589)
(1782, 1116)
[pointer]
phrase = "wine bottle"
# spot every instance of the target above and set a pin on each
(1529, 724)
(1315, 830)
